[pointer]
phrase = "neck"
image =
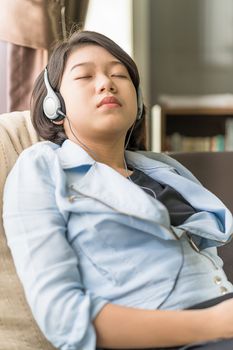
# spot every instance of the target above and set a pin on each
(111, 153)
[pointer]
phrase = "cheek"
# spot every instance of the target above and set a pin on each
(75, 104)
(73, 125)
(133, 108)
(72, 96)
(132, 102)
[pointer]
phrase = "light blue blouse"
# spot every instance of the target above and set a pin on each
(82, 236)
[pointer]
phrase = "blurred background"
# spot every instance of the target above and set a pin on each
(183, 49)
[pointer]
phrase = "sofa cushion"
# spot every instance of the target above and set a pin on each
(18, 330)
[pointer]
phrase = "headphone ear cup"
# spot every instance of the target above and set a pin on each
(140, 103)
(53, 102)
(62, 103)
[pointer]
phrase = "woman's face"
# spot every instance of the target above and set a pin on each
(99, 95)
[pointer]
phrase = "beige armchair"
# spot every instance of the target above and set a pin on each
(18, 330)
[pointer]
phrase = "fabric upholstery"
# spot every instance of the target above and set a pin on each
(18, 330)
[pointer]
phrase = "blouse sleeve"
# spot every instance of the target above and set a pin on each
(45, 261)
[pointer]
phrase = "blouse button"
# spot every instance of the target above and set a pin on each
(223, 290)
(217, 280)
(72, 198)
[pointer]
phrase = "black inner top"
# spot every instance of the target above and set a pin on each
(179, 209)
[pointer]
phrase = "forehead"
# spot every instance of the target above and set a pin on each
(91, 55)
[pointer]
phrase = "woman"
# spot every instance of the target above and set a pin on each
(109, 244)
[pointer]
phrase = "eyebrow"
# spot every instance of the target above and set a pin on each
(111, 63)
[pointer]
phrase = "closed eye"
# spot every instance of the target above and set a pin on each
(83, 77)
(119, 75)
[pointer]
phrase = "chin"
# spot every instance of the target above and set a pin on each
(114, 126)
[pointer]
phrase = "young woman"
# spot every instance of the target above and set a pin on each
(114, 249)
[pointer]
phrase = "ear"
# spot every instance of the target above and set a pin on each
(60, 122)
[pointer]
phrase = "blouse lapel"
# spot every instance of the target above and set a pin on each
(198, 196)
(106, 185)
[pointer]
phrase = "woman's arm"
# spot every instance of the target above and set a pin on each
(122, 327)
(48, 267)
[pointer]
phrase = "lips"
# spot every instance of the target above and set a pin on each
(109, 100)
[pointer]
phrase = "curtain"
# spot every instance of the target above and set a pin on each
(30, 28)
(23, 66)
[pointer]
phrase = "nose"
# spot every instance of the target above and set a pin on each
(105, 83)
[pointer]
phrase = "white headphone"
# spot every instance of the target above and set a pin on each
(140, 103)
(54, 105)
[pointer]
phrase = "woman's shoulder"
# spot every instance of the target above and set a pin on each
(35, 167)
(169, 162)
(38, 158)
(43, 149)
